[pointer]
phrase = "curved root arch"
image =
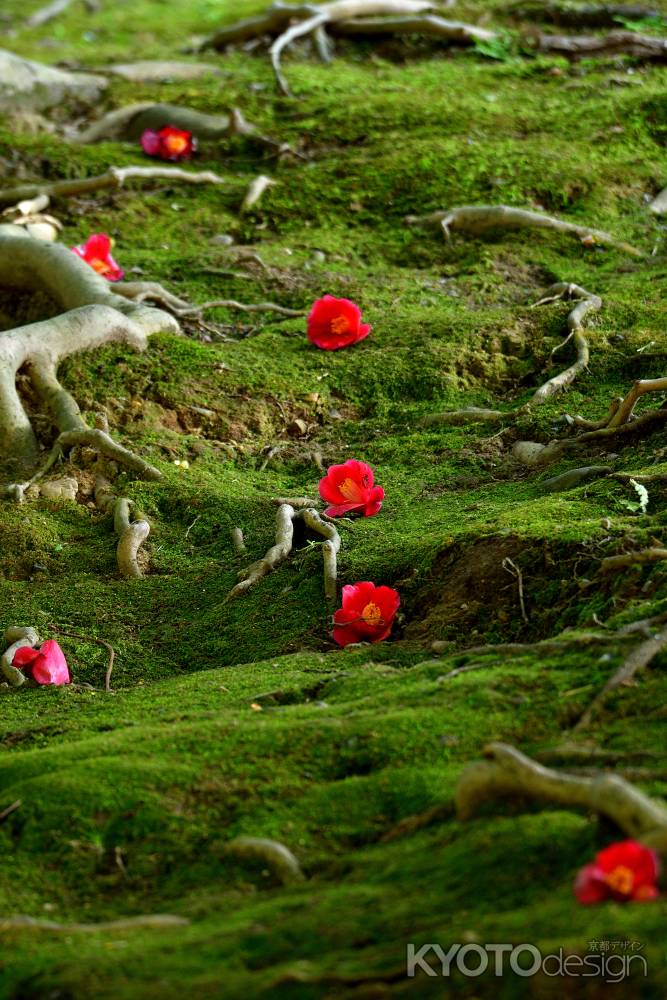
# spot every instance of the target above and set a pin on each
(92, 315)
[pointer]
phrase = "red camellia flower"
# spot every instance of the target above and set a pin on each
(367, 614)
(350, 487)
(335, 323)
(46, 665)
(168, 143)
(96, 251)
(623, 871)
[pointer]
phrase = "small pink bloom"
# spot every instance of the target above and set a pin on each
(46, 665)
(623, 871)
(168, 143)
(335, 323)
(367, 614)
(349, 487)
(96, 251)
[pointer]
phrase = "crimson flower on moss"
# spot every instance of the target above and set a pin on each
(334, 323)
(96, 251)
(623, 871)
(349, 487)
(46, 665)
(367, 614)
(168, 143)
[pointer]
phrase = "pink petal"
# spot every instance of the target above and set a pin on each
(150, 142)
(50, 667)
(339, 509)
(24, 655)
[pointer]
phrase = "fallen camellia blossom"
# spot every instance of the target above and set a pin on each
(367, 614)
(624, 871)
(168, 143)
(349, 487)
(46, 665)
(96, 251)
(335, 323)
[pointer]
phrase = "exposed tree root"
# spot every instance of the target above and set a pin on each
(455, 32)
(569, 15)
(129, 123)
(93, 315)
(285, 517)
(638, 659)
(479, 219)
(152, 291)
(98, 642)
(619, 420)
(131, 534)
(586, 302)
(626, 43)
(659, 204)
(573, 478)
(286, 24)
(613, 563)
(278, 858)
(16, 637)
(11, 808)
(115, 177)
(238, 541)
(47, 13)
(255, 191)
(507, 773)
(157, 921)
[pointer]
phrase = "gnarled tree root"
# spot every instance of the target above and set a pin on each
(479, 219)
(153, 291)
(114, 177)
(507, 773)
(129, 123)
(131, 534)
(16, 637)
(626, 43)
(93, 315)
(286, 24)
(285, 517)
(586, 302)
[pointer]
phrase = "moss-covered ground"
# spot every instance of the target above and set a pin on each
(128, 799)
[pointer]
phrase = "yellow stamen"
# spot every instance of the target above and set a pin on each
(620, 879)
(372, 614)
(176, 143)
(99, 265)
(340, 324)
(350, 489)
